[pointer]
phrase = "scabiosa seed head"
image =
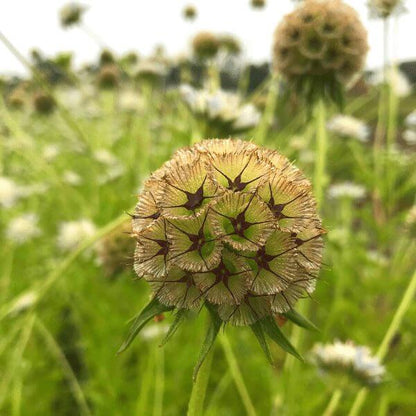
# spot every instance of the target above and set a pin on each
(385, 8)
(346, 360)
(205, 45)
(258, 4)
(109, 76)
(71, 14)
(43, 103)
(319, 47)
(106, 57)
(230, 224)
(189, 12)
(230, 44)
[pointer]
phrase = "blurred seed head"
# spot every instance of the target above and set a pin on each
(109, 76)
(205, 45)
(258, 4)
(230, 44)
(17, 98)
(320, 47)
(43, 103)
(232, 224)
(346, 361)
(71, 14)
(115, 250)
(385, 8)
(189, 12)
(106, 57)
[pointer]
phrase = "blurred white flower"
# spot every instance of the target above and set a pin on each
(154, 331)
(50, 152)
(222, 106)
(113, 173)
(105, 157)
(349, 359)
(72, 178)
(72, 233)
(23, 228)
(377, 258)
(410, 120)
(411, 217)
(10, 192)
(130, 101)
(346, 190)
(397, 80)
(409, 136)
(348, 126)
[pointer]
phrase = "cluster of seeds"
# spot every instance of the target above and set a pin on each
(232, 224)
(322, 40)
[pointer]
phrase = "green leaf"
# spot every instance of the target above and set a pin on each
(259, 333)
(211, 335)
(153, 308)
(300, 320)
(179, 318)
(273, 331)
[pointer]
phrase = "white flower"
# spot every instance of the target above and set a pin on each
(154, 331)
(349, 359)
(222, 106)
(130, 101)
(10, 192)
(348, 126)
(72, 233)
(378, 258)
(346, 190)
(248, 117)
(409, 136)
(23, 228)
(105, 157)
(113, 173)
(397, 80)
(50, 152)
(410, 120)
(72, 178)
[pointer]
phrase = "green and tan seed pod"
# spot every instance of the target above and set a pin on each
(109, 76)
(43, 103)
(230, 224)
(205, 45)
(115, 250)
(71, 14)
(385, 8)
(258, 4)
(189, 12)
(320, 47)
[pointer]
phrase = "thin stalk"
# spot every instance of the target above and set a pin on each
(236, 374)
(199, 388)
(390, 333)
(146, 375)
(268, 114)
(74, 385)
(159, 382)
(321, 151)
(91, 34)
(333, 403)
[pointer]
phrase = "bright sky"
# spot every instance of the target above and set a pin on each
(139, 25)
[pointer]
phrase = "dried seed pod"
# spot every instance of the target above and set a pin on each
(109, 76)
(385, 8)
(71, 14)
(43, 103)
(258, 4)
(205, 45)
(231, 224)
(319, 47)
(189, 12)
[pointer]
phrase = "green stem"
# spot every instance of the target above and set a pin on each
(159, 382)
(333, 403)
(268, 114)
(391, 332)
(196, 402)
(236, 374)
(321, 150)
